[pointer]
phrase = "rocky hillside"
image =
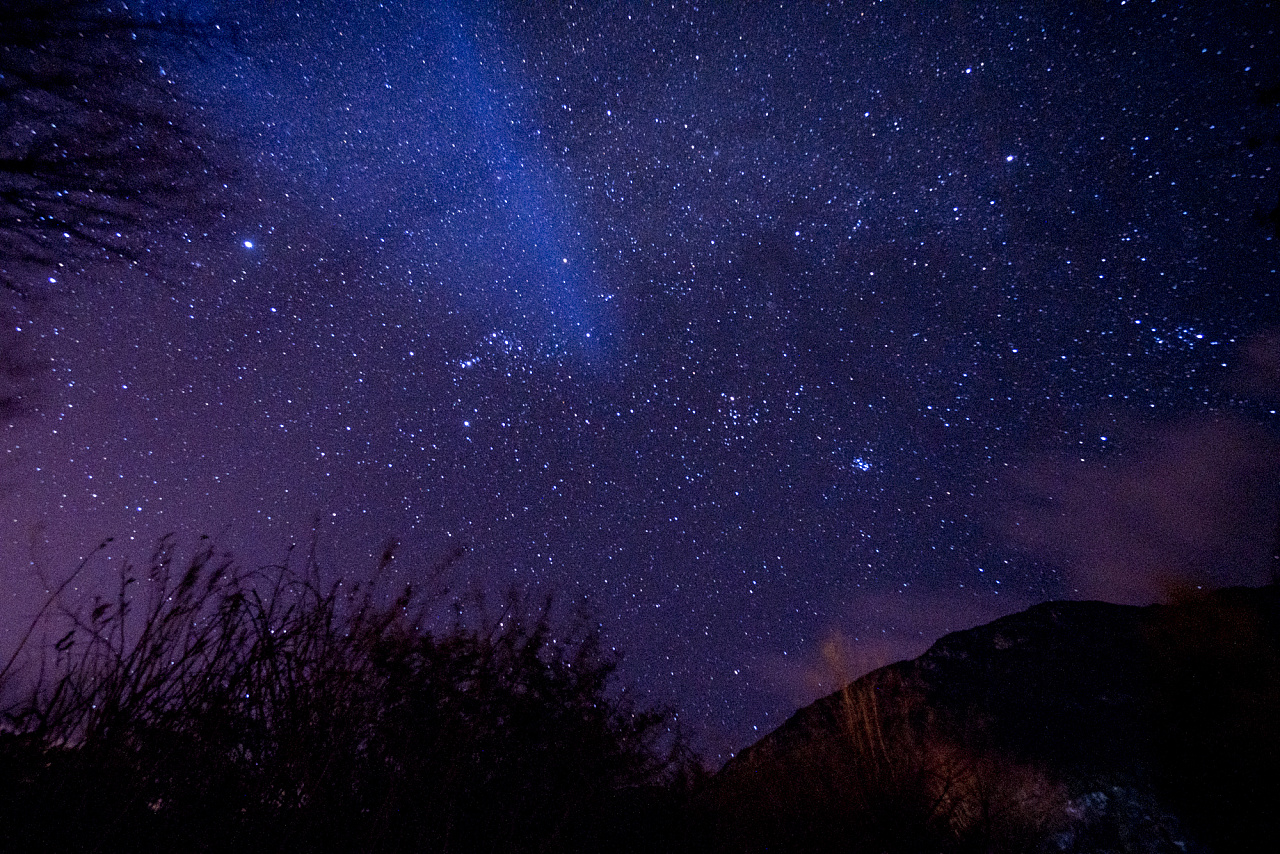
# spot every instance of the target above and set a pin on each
(1072, 726)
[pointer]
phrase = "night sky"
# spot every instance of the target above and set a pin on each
(784, 337)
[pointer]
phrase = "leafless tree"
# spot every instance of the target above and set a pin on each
(100, 147)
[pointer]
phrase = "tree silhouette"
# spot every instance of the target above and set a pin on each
(99, 146)
(100, 150)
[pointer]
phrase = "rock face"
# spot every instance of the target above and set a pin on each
(1072, 726)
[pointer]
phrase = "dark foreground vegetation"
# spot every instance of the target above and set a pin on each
(203, 708)
(1069, 727)
(199, 707)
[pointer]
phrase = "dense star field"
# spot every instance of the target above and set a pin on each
(785, 337)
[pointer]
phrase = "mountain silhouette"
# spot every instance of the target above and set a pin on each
(1071, 726)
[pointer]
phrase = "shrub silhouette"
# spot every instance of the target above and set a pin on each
(205, 707)
(878, 773)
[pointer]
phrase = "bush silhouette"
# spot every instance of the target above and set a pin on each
(877, 773)
(205, 707)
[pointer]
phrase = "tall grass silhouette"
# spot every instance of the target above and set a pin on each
(207, 707)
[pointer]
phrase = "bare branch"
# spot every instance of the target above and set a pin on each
(99, 146)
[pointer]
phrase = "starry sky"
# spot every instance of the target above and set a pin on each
(785, 337)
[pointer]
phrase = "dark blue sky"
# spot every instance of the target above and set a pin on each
(786, 337)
